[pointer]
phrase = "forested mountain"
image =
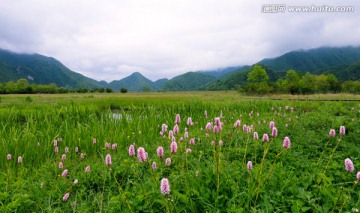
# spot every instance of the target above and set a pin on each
(134, 82)
(313, 60)
(190, 81)
(40, 69)
(342, 62)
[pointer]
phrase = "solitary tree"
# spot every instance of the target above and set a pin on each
(257, 81)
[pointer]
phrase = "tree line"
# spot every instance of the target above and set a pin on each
(22, 86)
(296, 83)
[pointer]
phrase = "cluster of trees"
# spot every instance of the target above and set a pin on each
(296, 83)
(22, 86)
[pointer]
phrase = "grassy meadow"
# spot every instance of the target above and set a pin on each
(55, 153)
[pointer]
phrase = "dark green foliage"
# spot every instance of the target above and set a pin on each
(190, 81)
(123, 90)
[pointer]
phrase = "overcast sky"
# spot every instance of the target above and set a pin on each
(110, 39)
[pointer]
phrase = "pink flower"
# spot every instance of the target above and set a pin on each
(177, 119)
(176, 129)
(141, 154)
(66, 196)
(208, 126)
(63, 157)
(249, 165)
(256, 136)
(171, 134)
(113, 146)
(192, 141)
(8, 156)
(265, 138)
(248, 129)
(332, 133)
(164, 186)
(342, 130)
(108, 160)
(205, 114)
(217, 121)
(272, 124)
(358, 175)
(66, 149)
(164, 128)
(237, 123)
(76, 149)
(274, 132)
(56, 149)
(189, 121)
(220, 142)
(132, 150)
(349, 166)
(168, 161)
(173, 139)
(82, 155)
(212, 143)
(154, 165)
(64, 173)
(286, 143)
(76, 181)
(87, 169)
(244, 128)
(173, 147)
(186, 135)
(188, 151)
(55, 143)
(19, 160)
(94, 140)
(107, 145)
(61, 165)
(160, 151)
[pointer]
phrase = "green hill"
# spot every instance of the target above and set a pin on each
(313, 60)
(134, 82)
(190, 81)
(40, 69)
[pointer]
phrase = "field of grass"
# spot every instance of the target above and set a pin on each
(55, 152)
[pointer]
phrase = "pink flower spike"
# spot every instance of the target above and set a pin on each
(164, 186)
(349, 166)
(56, 149)
(108, 160)
(154, 165)
(94, 140)
(189, 121)
(164, 128)
(8, 156)
(63, 157)
(171, 134)
(76, 149)
(177, 119)
(107, 145)
(188, 151)
(141, 154)
(173, 147)
(286, 143)
(168, 161)
(192, 141)
(19, 160)
(64, 173)
(160, 151)
(274, 132)
(358, 175)
(272, 124)
(256, 136)
(220, 142)
(132, 150)
(332, 133)
(87, 169)
(265, 138)
(113, 146)
(249, 165)
(342, 130)
(66, 149)
(82, 155)
(176, 129)
(61, 165)
(76, 181)
(55, 143)
(66, 196)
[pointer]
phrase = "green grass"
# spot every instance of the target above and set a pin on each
(209, 179)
